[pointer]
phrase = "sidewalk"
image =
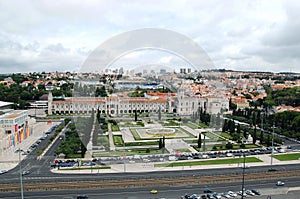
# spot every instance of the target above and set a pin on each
(149, 166)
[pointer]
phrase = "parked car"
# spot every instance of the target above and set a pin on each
(225, 195)
(242, 194)
(203, 197)
(232, 194)
(217, 196)
(250, 193)
(194, 196)
(256, 192)
(3, 171)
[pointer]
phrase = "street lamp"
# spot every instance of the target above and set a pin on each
(124, 156)
(272, 146)
(204, 134)
(243, 181)
(20, 169)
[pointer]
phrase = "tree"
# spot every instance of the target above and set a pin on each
(218, 121)
(254, 135)
(269, 140)
(98, 115)
(232, 106)
(229, 145)
(100, 92)
(238, 130)
(26, 95)
(159, 113)
(245, 134)
(204, 134)
(225, 126)
(135, 115)
(57, 93)
(160, 145)
(261, 137)
(199, 141)
(231, 125)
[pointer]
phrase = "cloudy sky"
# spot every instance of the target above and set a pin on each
(60, 35)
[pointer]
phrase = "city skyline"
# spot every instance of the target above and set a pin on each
(246, 36)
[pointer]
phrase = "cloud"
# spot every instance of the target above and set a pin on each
(41, 35)
(57, 48)
(286, 33)
(165, 60)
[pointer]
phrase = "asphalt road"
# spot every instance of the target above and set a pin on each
(266, 187)
(41, 173)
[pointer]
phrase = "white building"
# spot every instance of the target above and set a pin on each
(13, 128)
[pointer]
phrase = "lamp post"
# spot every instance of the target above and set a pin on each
(272, 146)
(204, 133)
(243, 181)
(124, 156)
(20, 169)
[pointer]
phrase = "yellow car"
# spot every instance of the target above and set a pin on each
(153, 191)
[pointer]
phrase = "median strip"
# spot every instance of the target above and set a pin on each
(210, 162)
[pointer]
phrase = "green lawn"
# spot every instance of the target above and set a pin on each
(130, 152)
(73, 156)
(226, 135)
(213, 137)
(118, 140)
(195, 125)
(202, 125)
(103, 140)
(135, 124)
(141, 143)
(247, 146)
(135, 134)
(115, 127)
(222, 147)
(170, 123)
(183, 150)
(210, 162)
(287, 157)
(191, 125)
(192, 141)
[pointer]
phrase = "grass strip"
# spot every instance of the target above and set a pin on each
(287, 157)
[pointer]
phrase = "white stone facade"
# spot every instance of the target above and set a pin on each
(114, 105)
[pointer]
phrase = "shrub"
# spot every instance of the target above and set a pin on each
(229, 145)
